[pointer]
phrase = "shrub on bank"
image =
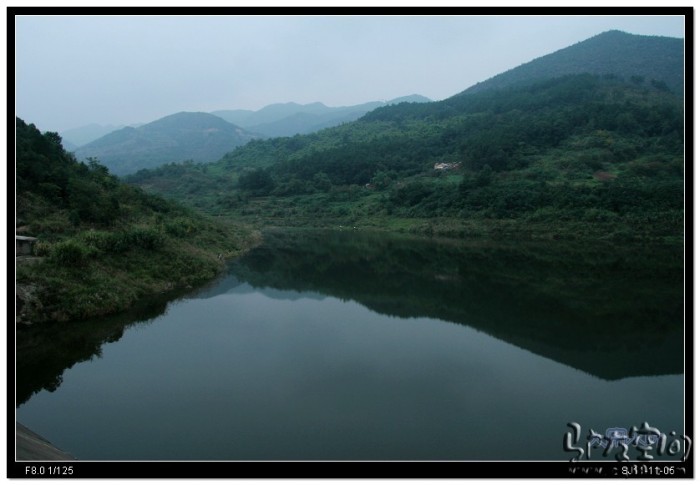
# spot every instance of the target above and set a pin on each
(70, 253)
(122, 241)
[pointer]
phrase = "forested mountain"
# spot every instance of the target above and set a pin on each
(200, 137)
(578, 148)
(288, 119)
(577, 155)
(645, 60)
(101, 244)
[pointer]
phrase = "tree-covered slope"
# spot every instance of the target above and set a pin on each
(200, 137)
(576, 148)
(645, 60)
(101, 244)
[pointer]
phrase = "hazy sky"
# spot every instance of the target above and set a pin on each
(76, 70)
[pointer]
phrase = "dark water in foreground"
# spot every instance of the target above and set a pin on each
(341, 345)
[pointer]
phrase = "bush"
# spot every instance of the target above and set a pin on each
(410, 194)
(145, 238)
(119, 242)
(599, 215)
(70, 253)
(90, 202)
(258, 182)
(545, 214)
(293, 186)
(99, 240)
(623, 234)
(180, 227)
(42, 248)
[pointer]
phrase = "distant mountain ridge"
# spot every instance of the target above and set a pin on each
(201, 137)
(644, 59)
(82, 135)
(278, 119)
(289, 119)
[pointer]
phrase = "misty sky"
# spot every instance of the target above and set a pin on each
(76, 70)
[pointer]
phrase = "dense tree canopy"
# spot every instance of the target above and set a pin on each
(102, 244)
(582, 147)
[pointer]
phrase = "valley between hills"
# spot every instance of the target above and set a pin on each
(585, 144)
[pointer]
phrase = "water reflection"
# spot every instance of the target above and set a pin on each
(44, 352)
(337, 346)
(611, 312)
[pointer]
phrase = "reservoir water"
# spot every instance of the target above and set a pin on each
(342, 345)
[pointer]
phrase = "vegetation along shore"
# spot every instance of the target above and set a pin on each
(577, 145)
(102, 245)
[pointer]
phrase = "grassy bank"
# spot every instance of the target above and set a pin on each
(89, 272)
(102, 245)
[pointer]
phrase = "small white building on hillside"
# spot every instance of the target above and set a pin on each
(446, 166)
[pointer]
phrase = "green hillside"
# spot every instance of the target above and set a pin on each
(200, 137)
(103, 245)
(578, 156)
(645, 60)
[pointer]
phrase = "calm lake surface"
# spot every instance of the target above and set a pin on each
(342, 345)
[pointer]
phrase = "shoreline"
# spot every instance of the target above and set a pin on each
(30, 446)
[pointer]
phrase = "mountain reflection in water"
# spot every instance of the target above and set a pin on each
(351, 346)
(610, 312)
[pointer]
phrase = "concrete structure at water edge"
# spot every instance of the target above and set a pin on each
(24, 245)
(33, 447)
